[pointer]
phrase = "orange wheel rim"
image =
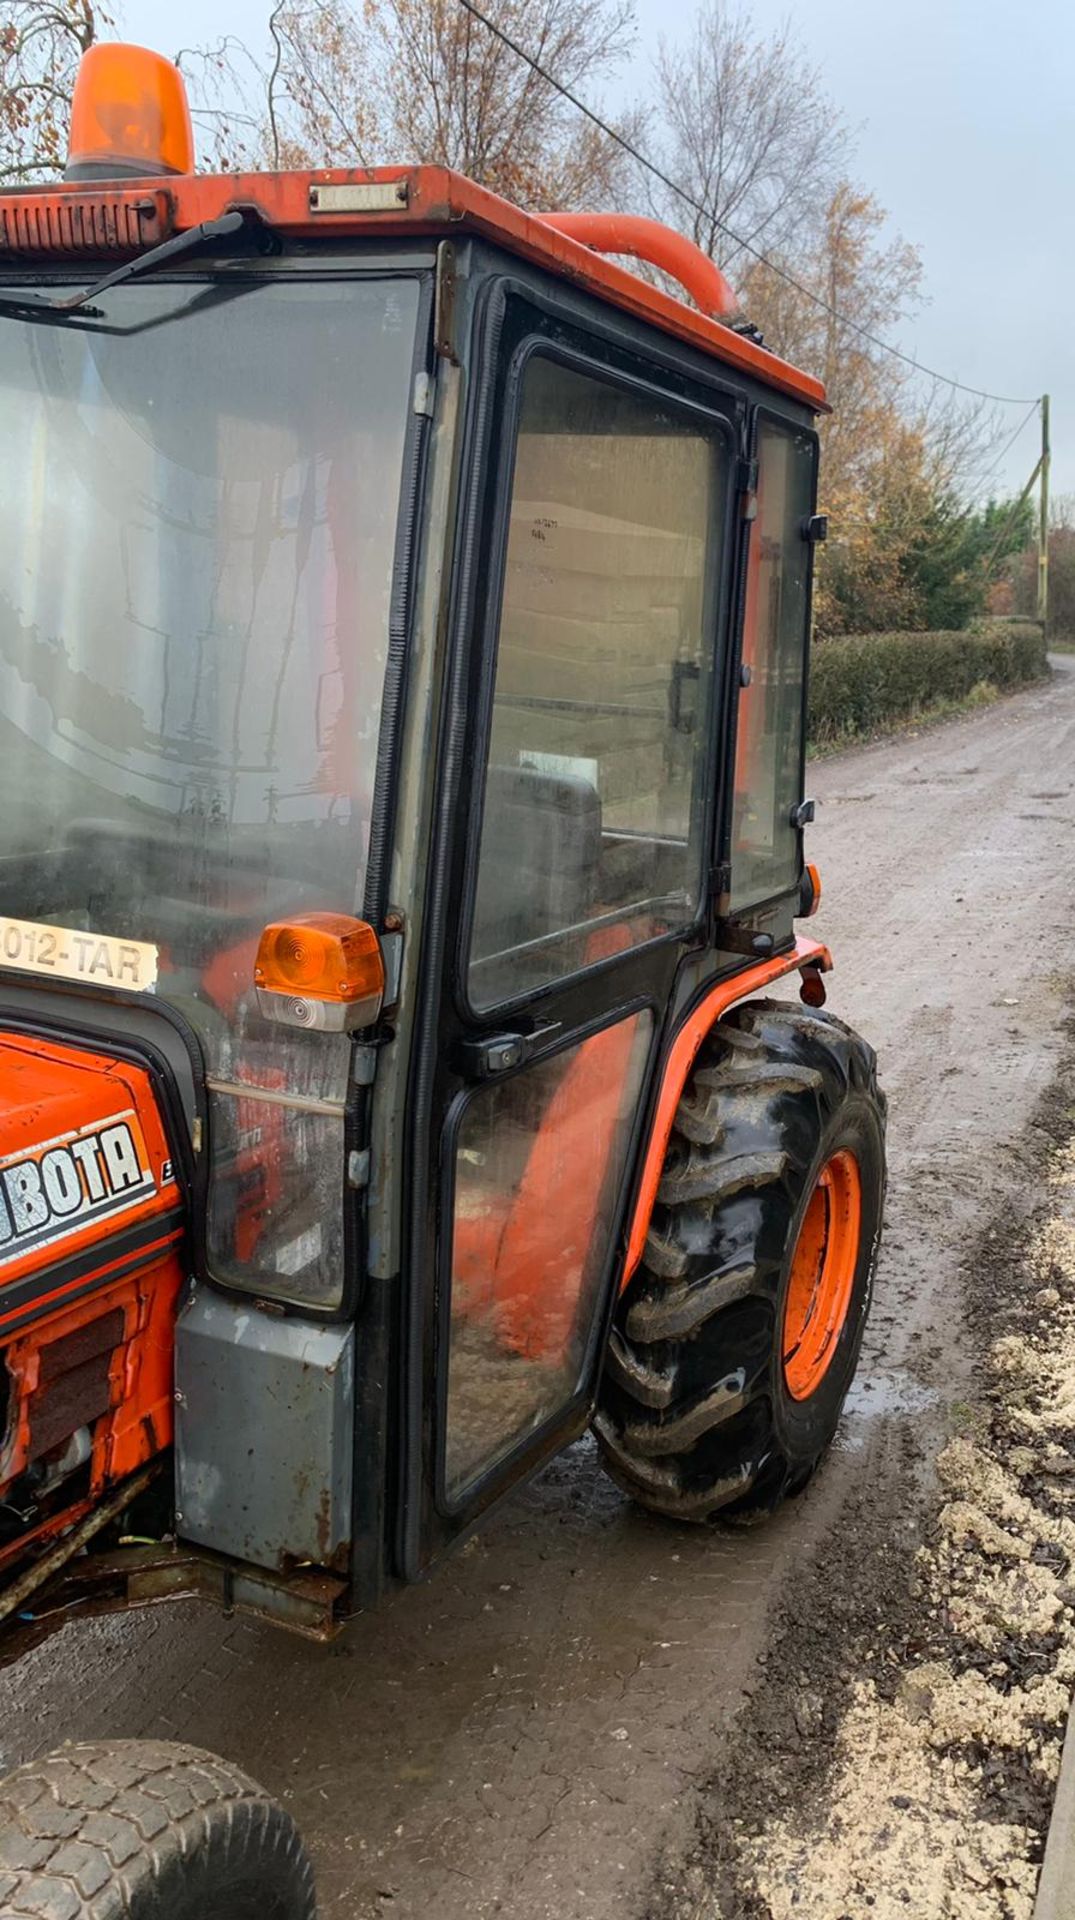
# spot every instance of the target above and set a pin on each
(822, 1275)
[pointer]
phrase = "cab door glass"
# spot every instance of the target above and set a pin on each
(538, 1165)
(769, 743)
(593, 815)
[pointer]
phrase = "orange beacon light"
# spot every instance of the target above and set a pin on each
(129, 116)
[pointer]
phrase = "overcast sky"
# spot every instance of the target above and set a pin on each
(965, 111)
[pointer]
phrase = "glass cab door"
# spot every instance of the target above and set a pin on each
(581, 866)
(770, 738)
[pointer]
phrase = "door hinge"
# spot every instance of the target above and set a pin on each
(424, 394)
(444, 303)
(358, 1168)
(746, 486)
(720, 887)
(501, 1052)
(392, 955)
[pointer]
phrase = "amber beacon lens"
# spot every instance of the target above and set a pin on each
(129, 116)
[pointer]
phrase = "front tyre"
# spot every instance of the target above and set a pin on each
(147, 1830)
(736, 1341)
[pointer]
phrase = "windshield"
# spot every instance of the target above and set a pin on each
(198, 502)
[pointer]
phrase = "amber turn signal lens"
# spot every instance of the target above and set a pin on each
(814, 882)
(129, 115)
(321, 956)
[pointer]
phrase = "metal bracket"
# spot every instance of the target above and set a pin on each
(364, 1065)
(358, 1169)
(498, 1053)
(424, 394)
(392, 953)
(737, 936)
(444, 303)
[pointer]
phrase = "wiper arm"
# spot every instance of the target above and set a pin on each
(30, 305)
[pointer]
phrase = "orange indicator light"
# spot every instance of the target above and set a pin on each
(321, 956)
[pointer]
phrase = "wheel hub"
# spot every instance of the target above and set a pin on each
(822, 1275)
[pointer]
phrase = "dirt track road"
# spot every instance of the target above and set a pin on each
(522, 1737)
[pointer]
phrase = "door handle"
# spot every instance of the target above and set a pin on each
(497, 1053)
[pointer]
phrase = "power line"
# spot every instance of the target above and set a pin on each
(643, 160)
(1010, 442)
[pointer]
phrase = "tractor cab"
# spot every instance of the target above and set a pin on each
(404, 618)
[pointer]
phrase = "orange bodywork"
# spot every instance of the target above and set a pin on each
(807, 957)
(419, 202)
(52, 1096)
(91, 1232)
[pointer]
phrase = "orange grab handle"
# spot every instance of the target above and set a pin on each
(650, 240)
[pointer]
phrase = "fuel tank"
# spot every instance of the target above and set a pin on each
(91, 1262)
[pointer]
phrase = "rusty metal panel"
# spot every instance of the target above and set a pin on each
(89, 223)
(264, 1422)
(74, 1399)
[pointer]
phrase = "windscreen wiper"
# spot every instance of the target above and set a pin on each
(29, 306)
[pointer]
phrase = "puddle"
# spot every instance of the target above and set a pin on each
(880, 1396)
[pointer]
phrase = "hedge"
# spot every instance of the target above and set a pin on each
(865, 682)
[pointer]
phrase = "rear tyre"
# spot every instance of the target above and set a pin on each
(735, 1343)
(144, 1830)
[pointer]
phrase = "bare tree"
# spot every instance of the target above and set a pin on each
(425, 80)
(468, 100)
(826, 304)
(41, 44)
(226, 88)
(324, 90)
(748, 132)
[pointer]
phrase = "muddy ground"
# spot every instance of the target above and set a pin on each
(571, 1716)
(901, 1746)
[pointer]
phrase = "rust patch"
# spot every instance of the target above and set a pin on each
(324, 1526)
(85, 223)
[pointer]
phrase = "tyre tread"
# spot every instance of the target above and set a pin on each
(90, 1827)
(767, 1082)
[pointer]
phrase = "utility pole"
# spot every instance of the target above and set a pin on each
(1043, 526)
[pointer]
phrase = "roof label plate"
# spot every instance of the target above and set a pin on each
(373, 196)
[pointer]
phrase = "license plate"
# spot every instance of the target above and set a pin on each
(64, 953)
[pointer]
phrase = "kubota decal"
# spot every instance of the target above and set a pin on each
(57, 1188)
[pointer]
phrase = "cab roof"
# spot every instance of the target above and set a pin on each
(119, 218)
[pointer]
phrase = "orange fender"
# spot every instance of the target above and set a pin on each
(805, 955)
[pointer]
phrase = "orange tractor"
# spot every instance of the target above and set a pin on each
(404, 616)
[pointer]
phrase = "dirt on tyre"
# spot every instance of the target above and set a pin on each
(736, 1341)
(147, 1830)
